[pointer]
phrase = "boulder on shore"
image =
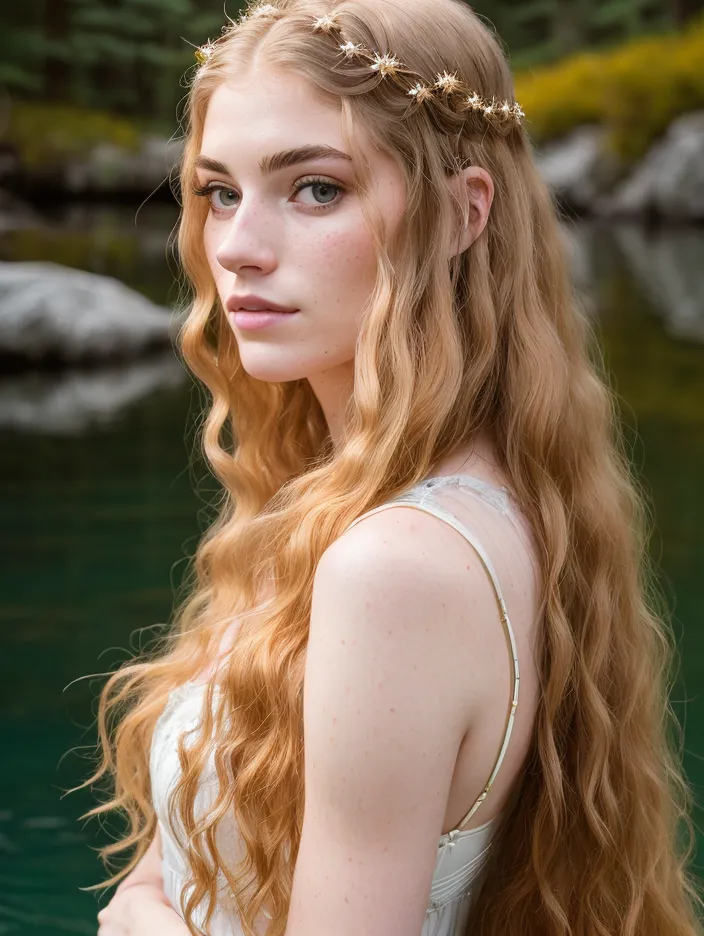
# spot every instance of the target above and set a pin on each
(52, 312)
(669, 182)
(577, 167)
(586, 176)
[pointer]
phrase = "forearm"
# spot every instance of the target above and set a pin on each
(151, 917)
(148, 869)
(141, 910)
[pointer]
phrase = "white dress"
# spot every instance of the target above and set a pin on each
(462, 854)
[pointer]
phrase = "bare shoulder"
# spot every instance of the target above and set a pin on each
(400, 551)
(418, 572)
(399, 532)
(415, 546)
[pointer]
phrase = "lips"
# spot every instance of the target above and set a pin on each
(251, 303)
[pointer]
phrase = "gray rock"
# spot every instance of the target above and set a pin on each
(107, 167)
(51, 311)
(670, 180)
(578, 167)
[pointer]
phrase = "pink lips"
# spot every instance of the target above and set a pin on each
(251, 302)
(250, 321)
(250, 312)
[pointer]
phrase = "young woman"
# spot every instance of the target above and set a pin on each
(426, 503)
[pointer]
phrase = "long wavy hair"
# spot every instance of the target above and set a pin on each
(495, 339)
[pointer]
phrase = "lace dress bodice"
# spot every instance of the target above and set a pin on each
(461, 853)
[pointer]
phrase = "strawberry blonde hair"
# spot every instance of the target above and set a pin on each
(492, 339)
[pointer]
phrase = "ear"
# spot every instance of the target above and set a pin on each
(473, 191)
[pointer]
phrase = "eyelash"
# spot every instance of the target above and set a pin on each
(302, 183)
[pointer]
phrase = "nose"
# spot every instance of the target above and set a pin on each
(248, 240)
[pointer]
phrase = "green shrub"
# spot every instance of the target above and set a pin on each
(48, 134)
(635, 91)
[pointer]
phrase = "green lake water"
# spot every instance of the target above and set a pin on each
(100, 511)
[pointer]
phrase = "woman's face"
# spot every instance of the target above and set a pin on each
(293, 234)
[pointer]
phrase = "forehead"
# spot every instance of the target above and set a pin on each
(268, 108)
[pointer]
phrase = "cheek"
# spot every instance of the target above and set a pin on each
(211, 241)
(342, 266)
(213, 235)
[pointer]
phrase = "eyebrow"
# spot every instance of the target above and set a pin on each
(277, 161)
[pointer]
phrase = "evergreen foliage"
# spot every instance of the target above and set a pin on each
(126, 56)
(539, 31)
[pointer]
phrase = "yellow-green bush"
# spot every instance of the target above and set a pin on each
(635, 91)
(45, 135)
(559, 97)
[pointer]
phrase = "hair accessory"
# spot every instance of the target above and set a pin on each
(349, 48)
(447, 84)
(257, 9)
(385, 64)
(420, 92)
(325, 23)
(253, 11)
(204, 52)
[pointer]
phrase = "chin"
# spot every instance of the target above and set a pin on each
(272, 372)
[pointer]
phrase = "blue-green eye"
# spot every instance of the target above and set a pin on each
(226, 192)
(208, 190)
(324, 188)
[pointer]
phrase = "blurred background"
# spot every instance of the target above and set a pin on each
(102, 498)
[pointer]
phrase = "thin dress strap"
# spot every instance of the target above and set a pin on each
(421, 497)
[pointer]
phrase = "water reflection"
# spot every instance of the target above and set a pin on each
(668, 267)
(73, 401)
(99, 511)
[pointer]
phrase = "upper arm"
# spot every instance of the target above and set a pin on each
(382, 727)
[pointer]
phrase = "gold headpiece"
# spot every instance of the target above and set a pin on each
(387, 65)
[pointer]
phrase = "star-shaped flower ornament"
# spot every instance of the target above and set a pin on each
(447, 83)
(258, 9)
(420, 92)
(204, 52)
(325, 23)
(349, 48)
(385, 64)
